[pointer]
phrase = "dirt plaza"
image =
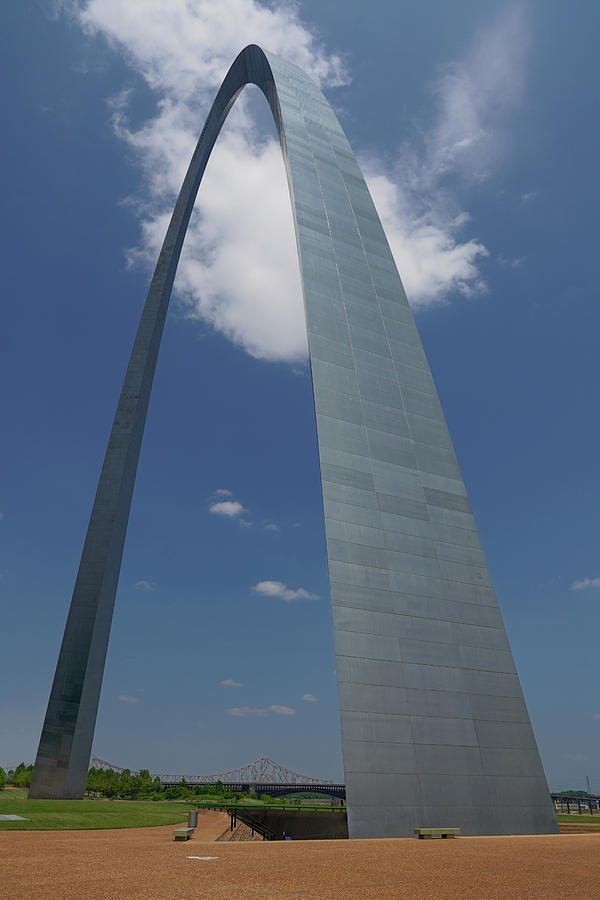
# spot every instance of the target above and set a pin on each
(136, 863)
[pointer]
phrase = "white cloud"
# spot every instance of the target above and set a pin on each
(245, 523)
(126, 698)
(242, 711)
(187, 45)
(282, 591)
(310, 698)
(585, 583)
(229, 682)
(228, 508)
(145, 586)
(271, 526)
(416, 196)
(431, 260)
(182, 50)
(282, 710)
(529, 195)
(223, 492)
(596, 716)
(474, 96)
(514, 263)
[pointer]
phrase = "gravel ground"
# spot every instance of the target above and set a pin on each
(146, 863)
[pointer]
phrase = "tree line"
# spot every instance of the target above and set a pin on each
(128, 785)
(19, 777)
(141, 786)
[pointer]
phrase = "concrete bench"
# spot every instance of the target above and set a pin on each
(182, 834)
(437, 832)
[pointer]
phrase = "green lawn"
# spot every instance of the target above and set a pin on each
(564, 818)
(63, 815)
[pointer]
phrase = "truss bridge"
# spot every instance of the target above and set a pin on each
(263, 776)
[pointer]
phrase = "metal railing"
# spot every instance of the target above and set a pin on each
(255, 825)
(580, 806)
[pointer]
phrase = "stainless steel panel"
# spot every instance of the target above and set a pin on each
(426, 681)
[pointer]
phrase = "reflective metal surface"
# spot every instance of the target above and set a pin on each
(434, 727)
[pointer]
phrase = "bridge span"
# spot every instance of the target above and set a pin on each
(263, 776)
(272, 789)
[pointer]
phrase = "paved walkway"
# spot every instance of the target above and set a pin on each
(132, 864)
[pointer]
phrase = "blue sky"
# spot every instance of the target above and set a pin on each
(474, 125)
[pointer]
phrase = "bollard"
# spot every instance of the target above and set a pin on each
(193, 818)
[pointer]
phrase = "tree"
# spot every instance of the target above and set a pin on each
(110, 783)
(134, 788)
(123, 783)
(2, 778)
(22, 775)
(157, 785)
(93, 779)
(145, 780)
(205, 789)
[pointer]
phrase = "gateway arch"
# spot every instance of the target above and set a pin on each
(434, 727)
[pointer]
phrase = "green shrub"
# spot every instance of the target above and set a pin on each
(21, 777)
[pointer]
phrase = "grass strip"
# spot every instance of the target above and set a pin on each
(67, 815)
(563, 817)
